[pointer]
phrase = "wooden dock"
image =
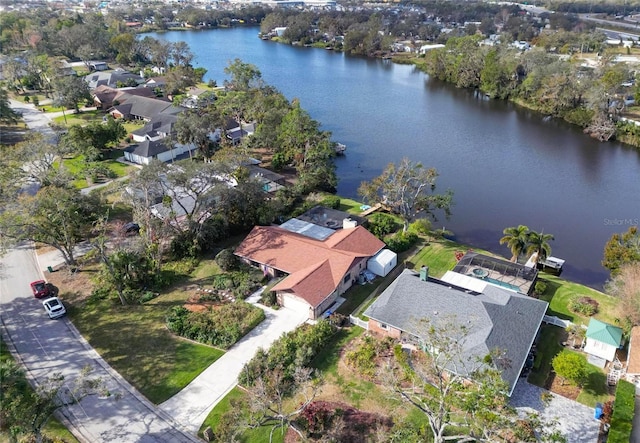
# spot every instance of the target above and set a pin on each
(371, 210)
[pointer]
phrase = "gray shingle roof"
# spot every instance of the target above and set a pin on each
(496, 319)
(148, 148)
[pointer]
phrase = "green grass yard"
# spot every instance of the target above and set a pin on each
(135, 341)
(440, 257)
(561, 292)
(71, 118)
(76, 164)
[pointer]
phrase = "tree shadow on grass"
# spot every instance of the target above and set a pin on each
(552, 288)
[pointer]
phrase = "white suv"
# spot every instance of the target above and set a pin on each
(54, 307)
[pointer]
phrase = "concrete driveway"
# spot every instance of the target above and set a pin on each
(48, 346)
(191, 406)
(574, 420)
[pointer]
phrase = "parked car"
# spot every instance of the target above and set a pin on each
(41, 289)
(54, 307)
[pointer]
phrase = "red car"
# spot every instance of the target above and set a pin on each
(41, 289)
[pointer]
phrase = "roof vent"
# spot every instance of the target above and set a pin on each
(435, 312)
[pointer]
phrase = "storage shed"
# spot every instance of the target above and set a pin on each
(383, 262)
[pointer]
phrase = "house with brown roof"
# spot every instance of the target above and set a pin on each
(318, 264)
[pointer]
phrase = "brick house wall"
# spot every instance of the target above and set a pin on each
(382, 329)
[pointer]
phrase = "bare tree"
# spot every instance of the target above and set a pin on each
(269, 395)
(452, 391)
(408, 190)
(625, 286)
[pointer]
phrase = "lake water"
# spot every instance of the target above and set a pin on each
(506, 166)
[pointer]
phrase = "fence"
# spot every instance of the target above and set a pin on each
(356, 321)
(556, 321)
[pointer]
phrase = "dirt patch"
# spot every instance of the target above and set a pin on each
(203, 299)
(555, 385)
(76, 286)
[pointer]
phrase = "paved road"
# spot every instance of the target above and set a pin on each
(191, 406)
(49, 346)
(574, 420)
(33, 117)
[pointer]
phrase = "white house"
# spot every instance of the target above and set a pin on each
(603, 340)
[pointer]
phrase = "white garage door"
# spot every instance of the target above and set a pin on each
(293, 302)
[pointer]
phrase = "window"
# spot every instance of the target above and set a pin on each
(383, 326)
(347, 278)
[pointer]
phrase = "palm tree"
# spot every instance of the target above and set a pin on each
(516, 238)
(539, 242)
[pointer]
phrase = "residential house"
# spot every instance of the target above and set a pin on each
(113, 79)
(143, 108)
(498, 272)
(160, 126)
(603, 340)
(318, 264)
(155, 82)
(499, 322)
(105, 96)
(98, 66)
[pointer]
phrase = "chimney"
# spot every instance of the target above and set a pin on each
(424, 273)
(347, 223)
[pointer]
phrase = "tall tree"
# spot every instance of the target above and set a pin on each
(408, 190)
(195, 127)
(538, 243)
(625, 286)
(56, 216)
(515, 238)
(243, 76)
(445, 396)
(7, 115)
(622, 249)
(70, 91)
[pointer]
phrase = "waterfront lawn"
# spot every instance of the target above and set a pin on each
(350, 206)
(440, 256)
(561, 292)
(53, 428)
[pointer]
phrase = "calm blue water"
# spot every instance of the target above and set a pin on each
(505, 165)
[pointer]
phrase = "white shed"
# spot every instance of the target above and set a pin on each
(383, 262)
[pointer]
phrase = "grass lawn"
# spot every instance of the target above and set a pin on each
(153, 360)
(79, 119)
(53, 429)
(560, 293)
(595, 389)
(548, 347)
(356, 295)
(350, 206)
(76, 164)
(250, 435)
(439, 256)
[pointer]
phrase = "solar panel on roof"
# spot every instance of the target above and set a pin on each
(307, 229)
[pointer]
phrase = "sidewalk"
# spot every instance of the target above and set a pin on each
(191, 406)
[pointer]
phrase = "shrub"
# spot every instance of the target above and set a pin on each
(584, 305)
(291, 350)
(381, 224)
(221, 327)
(540, 288)
(402, 241)
(226, 260)
(331, 201)
(623, 410)
(362, 359)
(421, 226)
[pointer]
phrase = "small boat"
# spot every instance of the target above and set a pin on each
(339, 148)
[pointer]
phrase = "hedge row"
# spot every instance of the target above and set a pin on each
(294, 349)
(221, 327)
(623, 410)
